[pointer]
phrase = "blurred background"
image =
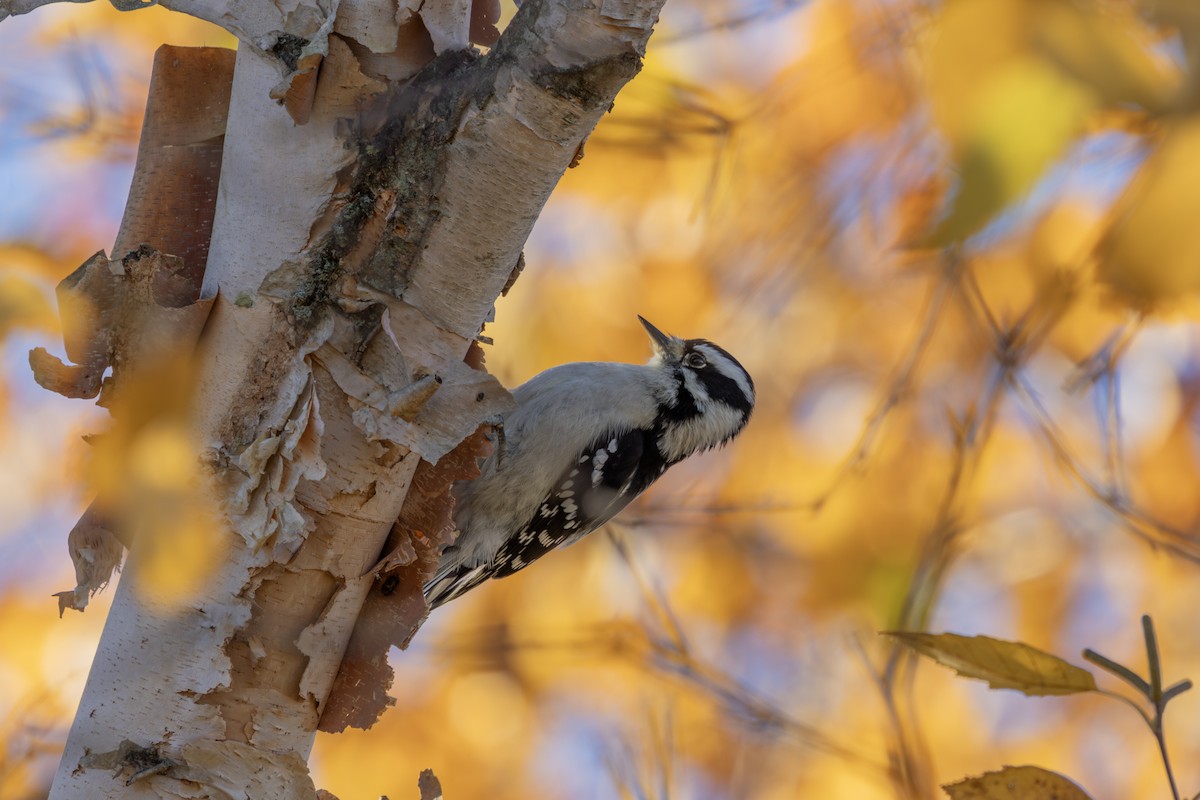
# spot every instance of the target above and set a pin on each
(956, 245)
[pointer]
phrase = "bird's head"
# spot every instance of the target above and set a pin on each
(714, 394)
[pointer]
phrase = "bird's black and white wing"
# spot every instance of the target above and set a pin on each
(609, 473)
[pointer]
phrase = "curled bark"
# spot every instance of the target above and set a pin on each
(355, 258)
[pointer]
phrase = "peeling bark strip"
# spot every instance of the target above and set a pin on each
(356, 256)
(394, 609)
(96, 552)
(174, 192)
(429, 786)
(145, 301)
(113, 311)
(132, 312)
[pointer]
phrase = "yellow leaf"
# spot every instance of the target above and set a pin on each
(24, 304)
(971, 40)
(1013, 82)
(179, 547)
(148, 479)
(1016, 783)
(162, 457)
(1004, 665)
(1103, 51)
(1110, 50)
(1152, 250)
(1027, 115)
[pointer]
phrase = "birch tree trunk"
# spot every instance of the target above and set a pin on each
(377, 181)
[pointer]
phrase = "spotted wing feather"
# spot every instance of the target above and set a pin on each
(607, 475)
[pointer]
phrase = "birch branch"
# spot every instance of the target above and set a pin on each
(354, 256)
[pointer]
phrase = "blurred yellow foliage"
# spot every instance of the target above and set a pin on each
(148, 480)
(843, 84)
(1152, 249)
(24, 285)
(1013, 83)
(1022, 117)
(998, 439)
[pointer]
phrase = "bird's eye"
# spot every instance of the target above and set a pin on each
(695, 361)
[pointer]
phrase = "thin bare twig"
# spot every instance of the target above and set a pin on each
(908, 756)
(972, 432)
(744, 703)
(638, 766)
(1152, 531)
(732, 22)
(1102, 366)
(669, 654)
(902, 378)
(653, 596)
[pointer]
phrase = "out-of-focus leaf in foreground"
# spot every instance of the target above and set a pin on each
(1152, 250)
(1004, 665)
(1013, 83)
(1016, 783)
(23, 300)
(146, 475)
(1109, 51)
(1028, 115)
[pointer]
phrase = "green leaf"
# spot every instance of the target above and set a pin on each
(1004, 665)
(1016, 783)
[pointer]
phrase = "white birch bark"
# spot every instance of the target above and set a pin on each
(311, 423)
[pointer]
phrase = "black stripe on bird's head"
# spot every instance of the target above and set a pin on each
(706, 371)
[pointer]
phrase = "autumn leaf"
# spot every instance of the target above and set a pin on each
(1151, 251)
(1013, 85)
(1028, 115)
(767, 181)
(1004, 665)
(23, 304)
(1013, 783)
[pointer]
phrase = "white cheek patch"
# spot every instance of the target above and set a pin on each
(707, 430)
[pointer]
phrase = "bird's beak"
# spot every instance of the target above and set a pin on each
(662, 342)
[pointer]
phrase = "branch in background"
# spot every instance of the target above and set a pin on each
(901, 381)
(666, 650)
